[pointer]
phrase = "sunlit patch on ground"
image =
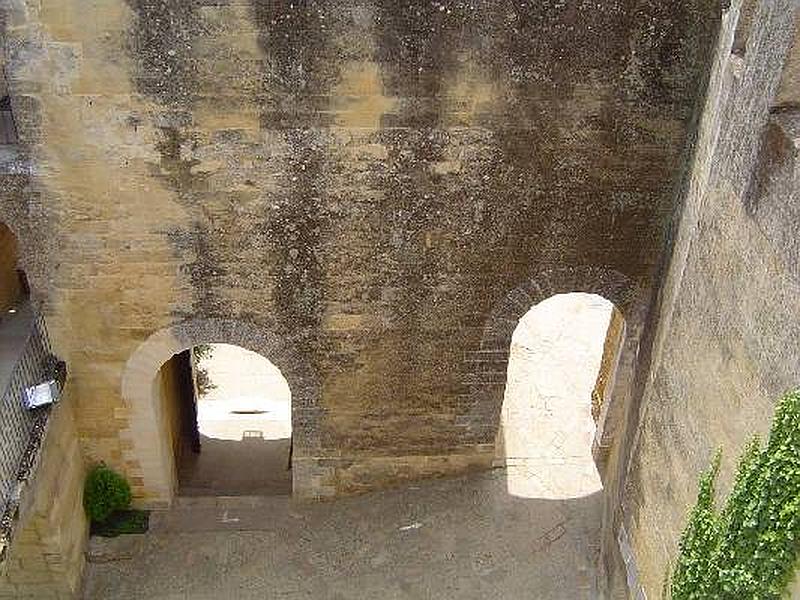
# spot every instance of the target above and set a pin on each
(546, 424)
(248, 394)
(244, 418)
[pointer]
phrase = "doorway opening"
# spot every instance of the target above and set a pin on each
(14, 289)
(561, 370)
(228, 415)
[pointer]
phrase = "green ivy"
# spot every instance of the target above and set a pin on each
(699, 541)
(749, 549)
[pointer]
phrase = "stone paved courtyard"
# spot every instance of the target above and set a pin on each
(464, 538)
(530, 530)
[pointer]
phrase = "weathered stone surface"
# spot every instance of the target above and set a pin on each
(367, 181)
(123, 547)
(45, 559)
(460, 538)
(726, 344)
(372, 193)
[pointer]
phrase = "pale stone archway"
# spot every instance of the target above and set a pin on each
(563, 358)
(146, 448)
(485, 368)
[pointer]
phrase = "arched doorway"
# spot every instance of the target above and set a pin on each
(227, 412)
(561, 368)
(147, 447)
(13, 283)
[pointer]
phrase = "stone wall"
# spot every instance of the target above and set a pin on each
(45, 559)
(169, 393)
(374, 190)
(608, 365)
(726, 345)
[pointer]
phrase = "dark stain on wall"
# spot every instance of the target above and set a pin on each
(416, 50)
(514, 137)
(26, 208)
(199, 245)
(297, 76)
(161, 44)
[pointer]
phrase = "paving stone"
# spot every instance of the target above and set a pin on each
(459, 538)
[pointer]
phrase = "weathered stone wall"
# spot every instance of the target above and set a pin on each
(608, 365)
(374, 185)
(45, 559)
(726, 346)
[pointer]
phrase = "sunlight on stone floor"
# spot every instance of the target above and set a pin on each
(249, 397)
(546, 422)
(245, 426)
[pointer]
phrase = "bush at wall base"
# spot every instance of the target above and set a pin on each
(107, 500)
(104, 492)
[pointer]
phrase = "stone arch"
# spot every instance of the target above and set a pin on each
(484, 377)
(145, 450)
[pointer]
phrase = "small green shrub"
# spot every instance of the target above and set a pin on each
(104, 492)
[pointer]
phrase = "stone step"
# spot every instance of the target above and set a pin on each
(221, 513)
(212, 501)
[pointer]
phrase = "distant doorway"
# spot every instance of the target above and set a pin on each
(14, 289)
(228, 412)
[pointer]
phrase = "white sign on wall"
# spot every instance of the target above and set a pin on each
(41, 395)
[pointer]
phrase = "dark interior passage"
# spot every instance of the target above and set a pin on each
(13, 283)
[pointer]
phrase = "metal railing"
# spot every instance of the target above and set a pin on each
(21, 429)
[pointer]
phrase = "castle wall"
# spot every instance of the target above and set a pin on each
(725, 349)
(368, 189)
(45, 557)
